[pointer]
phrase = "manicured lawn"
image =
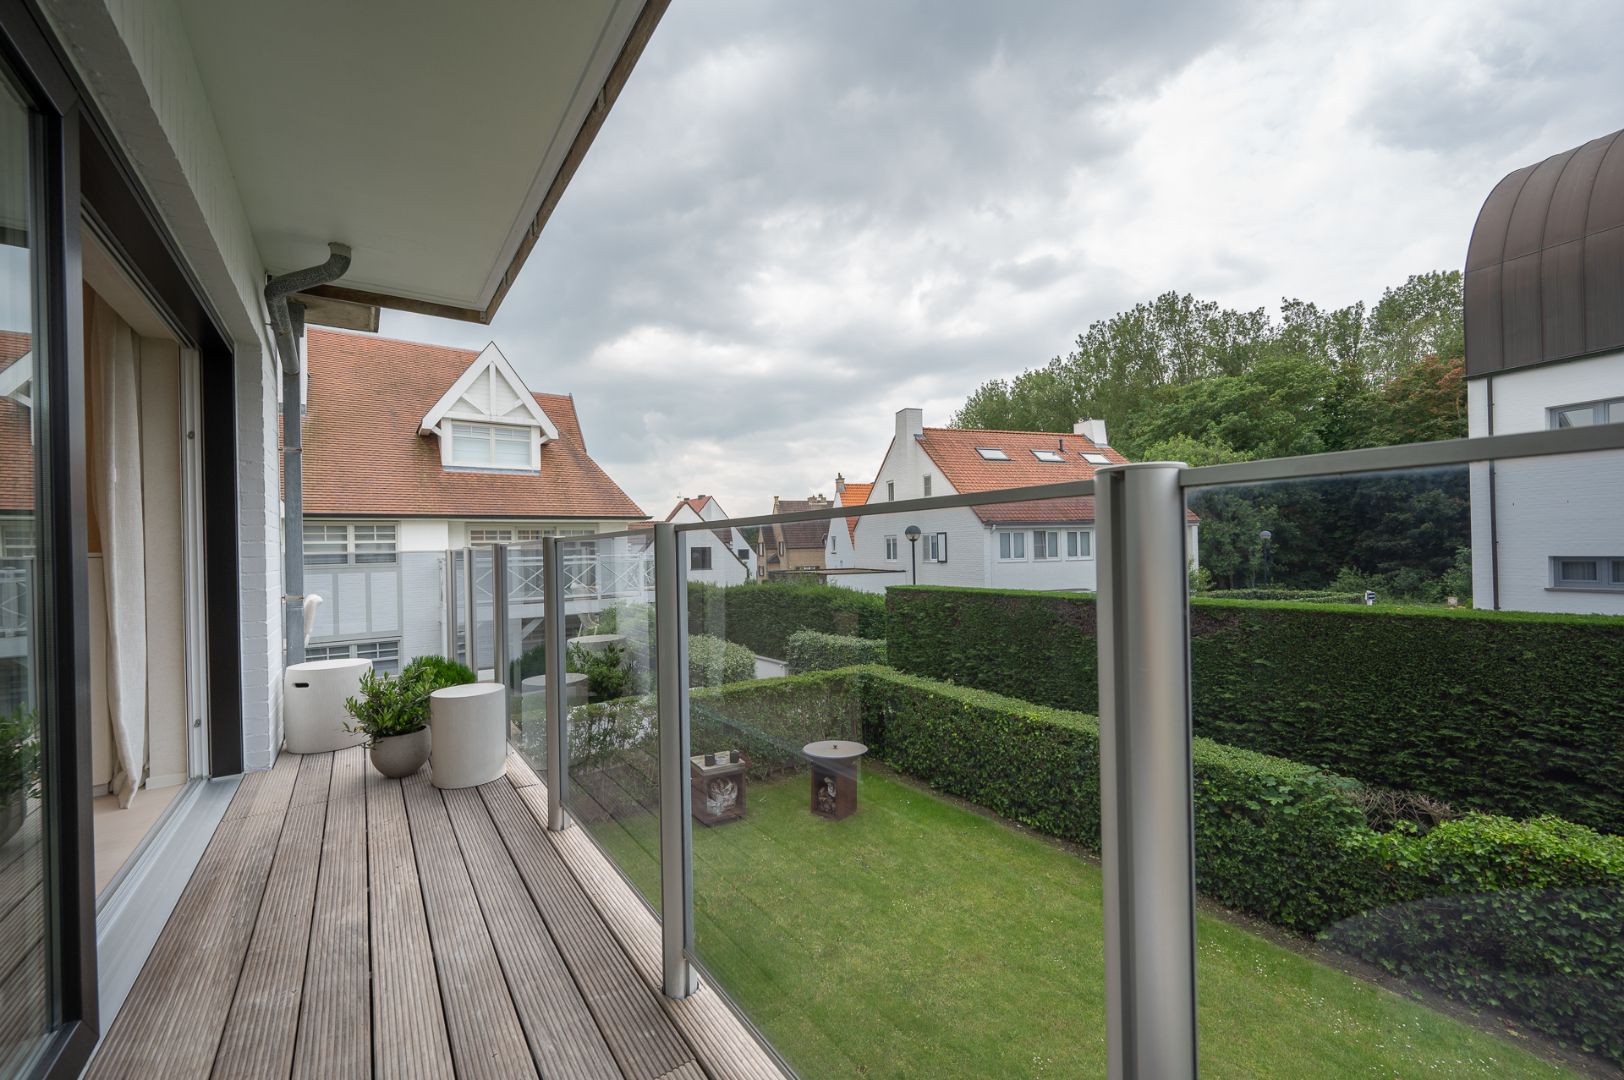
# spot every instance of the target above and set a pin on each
(918, 939)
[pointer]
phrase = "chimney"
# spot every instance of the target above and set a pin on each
(840, 484)
(910, 422)
(1092, 430)
(817, 502)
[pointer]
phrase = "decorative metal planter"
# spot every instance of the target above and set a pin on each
(718, 787)
(834, 776)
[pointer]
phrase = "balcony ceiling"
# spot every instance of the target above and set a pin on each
(433, 138)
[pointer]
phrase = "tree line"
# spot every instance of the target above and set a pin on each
(1177, 378)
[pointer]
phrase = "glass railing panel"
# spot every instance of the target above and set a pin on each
(868, 887)
(389, 611)
(1408, 804)
(525, 642)
(614, 785)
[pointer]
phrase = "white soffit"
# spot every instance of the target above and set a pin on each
(424, 134)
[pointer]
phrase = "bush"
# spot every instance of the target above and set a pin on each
(1306, 596)
(1502, 712)
(813, 650)
(437, 673)
(762, 615)
(714, 662)
(608, 671)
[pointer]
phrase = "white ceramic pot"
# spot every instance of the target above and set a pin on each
(470, 734)
(401, 755)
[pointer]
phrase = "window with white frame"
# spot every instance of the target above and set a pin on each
(991, 453)
(890, 491)
(1012, 546)
(890, 549)
(1053, 457)
(490, 446)
(934, 547)
(1600, 573)
(506, 534)
(1079, 544)
(924, 482)
(343, 543)
(385, 655)
(17, 538)
(1045, 544)
(1586, 414)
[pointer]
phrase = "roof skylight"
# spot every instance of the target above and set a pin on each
(1049, 455)
(1096, 459)
(992, 453)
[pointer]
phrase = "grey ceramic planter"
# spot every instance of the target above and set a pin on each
(401, 755)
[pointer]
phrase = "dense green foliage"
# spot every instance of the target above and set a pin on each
(714, 662)
(388, 705)
(1304, 596)
(1527, 916)
(762, 615)
(1503, 712)
(1183, 380)
(19, 754)
(813, 650)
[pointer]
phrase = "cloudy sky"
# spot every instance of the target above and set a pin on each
(801, 217)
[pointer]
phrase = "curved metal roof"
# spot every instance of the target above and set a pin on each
(1545, 269)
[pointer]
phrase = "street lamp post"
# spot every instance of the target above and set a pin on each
(1266, 536)
(913, 534)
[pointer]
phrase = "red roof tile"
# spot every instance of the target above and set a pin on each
(854, 495)
(363, 453)
(955, 452)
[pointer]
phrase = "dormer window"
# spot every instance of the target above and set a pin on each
(490, 446)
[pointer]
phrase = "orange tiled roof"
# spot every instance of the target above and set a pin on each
(854, 495)
(16, 434)
(363, 453)
(954, 451)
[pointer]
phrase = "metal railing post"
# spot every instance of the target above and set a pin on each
(1146, 790)
(499, 628)
(470, 637)
(450, 604)
(676, 827)
(554, 645)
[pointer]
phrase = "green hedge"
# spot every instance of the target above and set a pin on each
(1527, 917)
(1503, 712)
(762, 615)
(714, 662)
(1307, 596)
(813, 650)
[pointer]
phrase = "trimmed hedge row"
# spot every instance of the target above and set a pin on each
(813, 650)
(714, 662)
(1306, 596)
(762, 615)
(1503, 712)
(1525, 916)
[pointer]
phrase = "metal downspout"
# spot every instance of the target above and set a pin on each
(287, 325)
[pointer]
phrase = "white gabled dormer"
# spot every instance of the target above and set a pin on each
(488, 421)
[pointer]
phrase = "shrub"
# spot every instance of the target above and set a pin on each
(714, 662)
(387, 706)
(1306, 596)
(19, 755)
(1500, 712)
(437, 673)
(608, 673)
(762, 615)
(813, 650)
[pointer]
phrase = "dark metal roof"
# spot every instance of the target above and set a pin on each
(1545, 269)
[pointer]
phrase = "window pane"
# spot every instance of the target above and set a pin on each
(512, 448)
(1618, 571)
(1071, 544)
(1085, 540)
(1003, 545)
(1019, 540)
(1615, 412)
(374, 543)
(326, 545)
(1579, 416)
(1577, 570)
(470, 444)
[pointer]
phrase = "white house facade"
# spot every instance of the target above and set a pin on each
(719, 557)
(1545, 350)
(1034, 544)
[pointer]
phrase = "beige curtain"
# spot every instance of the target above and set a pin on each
(115, 493)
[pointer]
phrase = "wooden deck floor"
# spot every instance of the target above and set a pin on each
(341, 924)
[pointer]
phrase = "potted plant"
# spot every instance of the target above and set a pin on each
(19, 768)
(393, 713)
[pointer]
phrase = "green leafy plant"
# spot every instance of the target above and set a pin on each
(437, 673)
(608, 671)
(387, 706)
(714, 662)
(19, 755)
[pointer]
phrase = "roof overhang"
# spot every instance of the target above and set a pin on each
(433, 139)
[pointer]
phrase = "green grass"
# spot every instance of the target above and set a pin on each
(918, 939)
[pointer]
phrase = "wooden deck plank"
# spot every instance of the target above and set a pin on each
(487, 1040)
(260, 1029)
(266, 791)
(334, 1039)
(409, 1038)
(519, 772)
(643, 1040)
(171, 1022)
(564, 1040)
(723, 1044)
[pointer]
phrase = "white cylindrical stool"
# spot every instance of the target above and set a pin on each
(468, 744)
(575, 687)
(313, 714)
